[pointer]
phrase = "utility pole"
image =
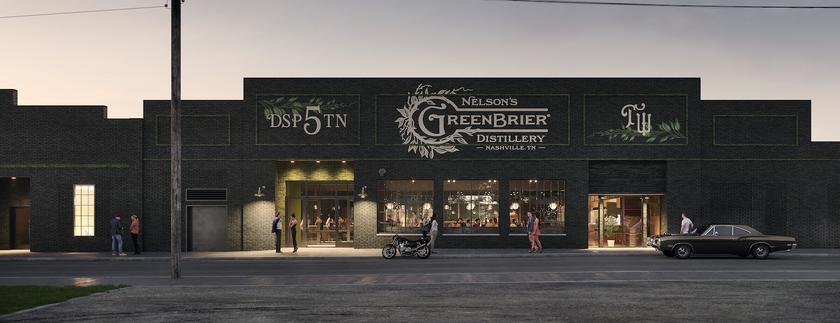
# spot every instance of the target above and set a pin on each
(175, 142)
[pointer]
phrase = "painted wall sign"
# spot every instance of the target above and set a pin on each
(290, 119)
(636, 119)
(434, 122)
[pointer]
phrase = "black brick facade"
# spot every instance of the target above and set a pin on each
(748, 162)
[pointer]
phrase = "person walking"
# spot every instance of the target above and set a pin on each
(529, 227)
(116, 237)
(686, 225)
(293, 230)
(433, 232)
(135, 233)
(535, 235)
(277, 229)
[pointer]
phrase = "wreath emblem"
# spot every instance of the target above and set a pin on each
(421, 144)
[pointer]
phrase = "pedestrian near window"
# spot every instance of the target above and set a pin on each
(529, 227)
(535, 234)
(293, 230)
(116, 237)
(425, 227)
(135, 233)
(277, 229)
(433, 232)
(686, 226)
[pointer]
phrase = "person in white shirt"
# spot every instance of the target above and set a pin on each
(686, 225)
(433, 232)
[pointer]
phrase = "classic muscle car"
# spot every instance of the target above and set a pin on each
(738, 240)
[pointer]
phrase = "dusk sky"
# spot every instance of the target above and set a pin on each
(119, 59)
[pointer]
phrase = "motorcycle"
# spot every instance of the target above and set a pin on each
(407, 247)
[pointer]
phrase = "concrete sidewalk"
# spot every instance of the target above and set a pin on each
(326, 253)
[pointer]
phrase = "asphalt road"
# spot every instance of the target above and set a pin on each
(570, 288)
(417, 271)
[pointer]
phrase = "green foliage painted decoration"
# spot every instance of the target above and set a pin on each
(665, 132)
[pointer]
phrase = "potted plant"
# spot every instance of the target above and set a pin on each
(610, 229)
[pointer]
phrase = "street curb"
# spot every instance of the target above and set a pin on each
(299, 258)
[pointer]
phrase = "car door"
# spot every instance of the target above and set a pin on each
(721, 240)
(706, 242)
(739, 244)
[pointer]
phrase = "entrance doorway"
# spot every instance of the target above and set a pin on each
(624, 220)
(324, 211)
(19, 227)
(15, 213)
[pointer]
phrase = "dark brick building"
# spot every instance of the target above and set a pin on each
(602, 162)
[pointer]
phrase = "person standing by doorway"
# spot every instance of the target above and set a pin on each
(116, 237)
(277, 229)
(135, 233)
(433, 232)
(686, 225)
(293, 230)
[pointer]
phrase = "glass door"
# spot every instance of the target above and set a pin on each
(324, 210)
(344, 230)
(319, 221)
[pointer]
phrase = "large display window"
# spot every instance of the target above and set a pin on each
(471, 206)
(545, 199)
(403, 204)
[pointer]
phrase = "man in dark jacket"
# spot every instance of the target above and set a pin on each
(116, 237)
(277, 229)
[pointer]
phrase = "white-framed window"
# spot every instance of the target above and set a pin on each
(83, 210)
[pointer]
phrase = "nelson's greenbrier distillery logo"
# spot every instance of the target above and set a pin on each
(435, 122)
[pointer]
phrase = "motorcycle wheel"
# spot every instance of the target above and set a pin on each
(389, 251)
(423, 252)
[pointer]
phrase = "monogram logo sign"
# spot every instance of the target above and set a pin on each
(438, 122)
(636, 120)
(307, 119)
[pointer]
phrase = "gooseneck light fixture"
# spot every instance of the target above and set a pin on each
(259, 192)
(363, 195)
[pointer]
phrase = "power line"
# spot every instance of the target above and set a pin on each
(650, 4)
(79, 12)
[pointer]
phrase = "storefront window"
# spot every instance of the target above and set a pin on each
(471, 206)
(403, 205)
(545, 199)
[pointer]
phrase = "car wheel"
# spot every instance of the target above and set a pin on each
(682, 251)
(389, 251)
(761, 251)
(668, 253)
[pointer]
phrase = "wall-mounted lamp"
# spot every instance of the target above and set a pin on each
(427, 206)
(363, 194)
(259, 192)
(389, 205)
(514, 206)
(14, 178)
(552, 206)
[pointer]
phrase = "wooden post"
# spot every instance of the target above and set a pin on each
(175, 142)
